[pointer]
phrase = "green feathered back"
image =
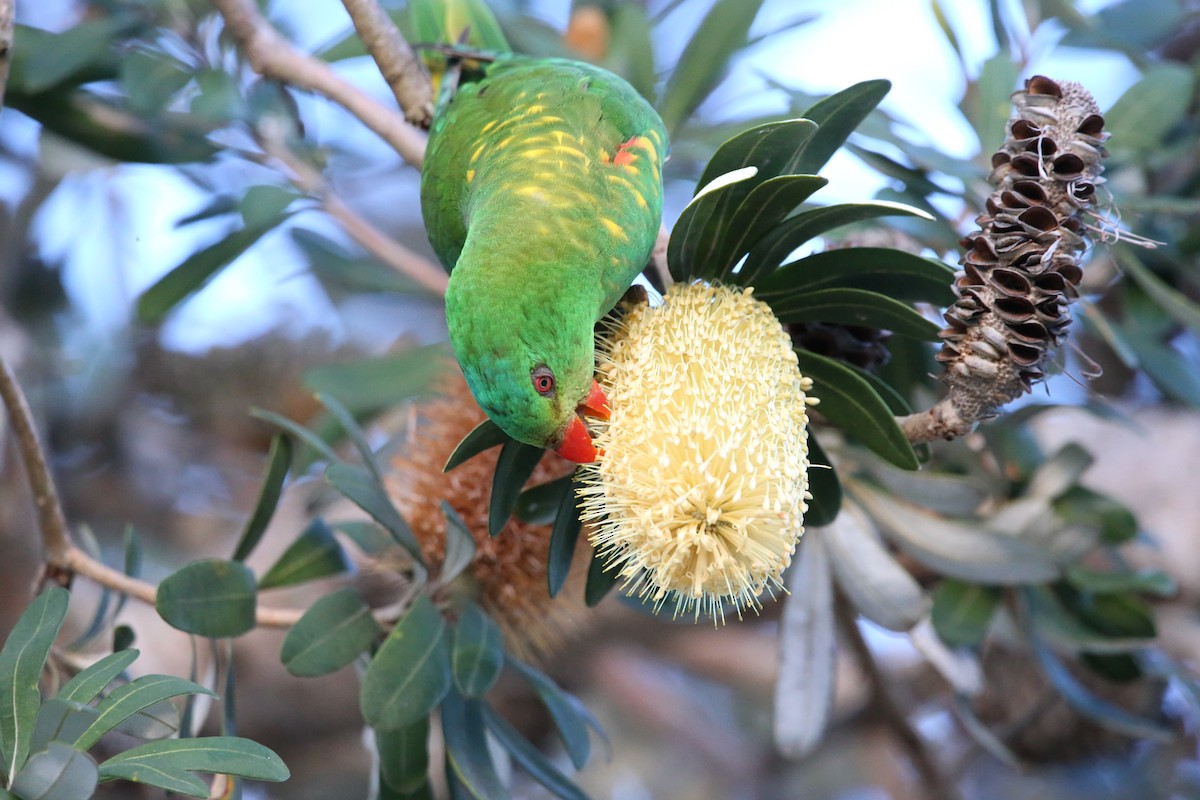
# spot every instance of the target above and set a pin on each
(542, 192)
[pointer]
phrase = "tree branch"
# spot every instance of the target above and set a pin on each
(936, 786)
(943, 421)
(7, 12)
(395, 59)
(272, 56)
(58, 550)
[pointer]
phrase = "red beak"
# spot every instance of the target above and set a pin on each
(577, 443)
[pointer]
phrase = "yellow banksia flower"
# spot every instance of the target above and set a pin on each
(700, 494)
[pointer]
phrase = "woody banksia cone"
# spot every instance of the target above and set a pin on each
(699, 497)
(1021, 267)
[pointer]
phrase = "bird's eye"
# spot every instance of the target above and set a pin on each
(543, 381)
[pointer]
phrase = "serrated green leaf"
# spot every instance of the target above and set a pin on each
(563, 538)
(315, 554)
(21, 662)
(213, 597)
(173, 780)
(198, 269)
(224, 755)
(467, 753)
(279, 461)
(156, 721)
(366, 492)
(334, 631)
(856, 307)
(895, 273)
(410, 673)
(404, 757)
(764, 207)
(483, 436)
(1150, 581)
(852, 403)
(92, 680)
(564, 708)
(962, 612)
(57, 773)
(823, 485)
(538, 505)
(721, 34)
(124, 701)
(478, 654)
(460, 546)
(1149, 109)
(837, 117)
(516, 463)
(531, 758)
(369, 384)
(775, 247)
(62, 721)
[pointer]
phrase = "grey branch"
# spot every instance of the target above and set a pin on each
(395, 59)
(272, 56)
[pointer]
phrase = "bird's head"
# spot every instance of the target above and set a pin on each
(533, 374)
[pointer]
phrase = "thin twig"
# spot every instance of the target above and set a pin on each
(399, 66)
(59, 551)
(272, 56)
(383, 247)
(943, 421)
(936, 786)
(6, 37)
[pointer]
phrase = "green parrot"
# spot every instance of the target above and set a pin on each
(542, 193)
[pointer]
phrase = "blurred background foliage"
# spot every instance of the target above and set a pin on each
(1042, 572)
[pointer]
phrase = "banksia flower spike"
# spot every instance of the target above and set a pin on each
(508, 570)
(700, 495)
(1020, 270)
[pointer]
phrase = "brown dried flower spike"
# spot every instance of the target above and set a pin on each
(1021, 268)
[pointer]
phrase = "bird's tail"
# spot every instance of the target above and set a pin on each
(455, 36)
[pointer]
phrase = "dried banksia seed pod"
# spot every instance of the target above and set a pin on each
(1020, 270)
(509, 570)
(700, 494)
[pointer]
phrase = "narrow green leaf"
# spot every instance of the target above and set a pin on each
(529, 757)
(42, 60)
(366, 492)
(92, 680)
(563, 538)
(299, 431)
(410, 673)
(483, 436)
(21, 663)
(197, 269)
(370, 384)
(856, 307)
(124, 701)
(467, 753)
(721, 34)
(1143, 116)
(516, 463)
(962, 612)
(265, 202)
(823, 485)
(600, 581)
(478, 654)
(987, 103)
(1150, 581)
(315, 554)
(1175, 303)
(895, 273)
(631, 48)
(368, 536)
(156, 721)
(1081, 505)
(1056, 619)
(334, 631)
(57, 773)
(538, 505)
(774, 248)
(460, 546)
(564, 708)
(764, 207)
(869, 575)
(351, 428)
(173, 780)
(404, 756)
(852, 403)
(773, 148)
(695, 222)
(224, 755)
(837, 116)
(62, 721)
(213, 597)
(279, 461)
